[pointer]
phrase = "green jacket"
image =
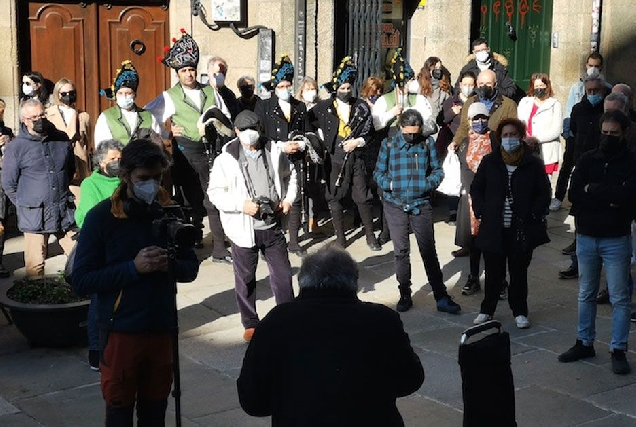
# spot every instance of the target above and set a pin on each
(93, 190)
(119, 127)
(186, 113)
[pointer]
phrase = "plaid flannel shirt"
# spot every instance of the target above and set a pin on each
(408, 173)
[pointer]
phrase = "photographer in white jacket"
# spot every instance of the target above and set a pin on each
(253, 185)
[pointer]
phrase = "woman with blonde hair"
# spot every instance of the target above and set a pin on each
(63, 113)
(308, 92)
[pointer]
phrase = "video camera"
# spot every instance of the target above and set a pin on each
(266, 210)
(171, 226)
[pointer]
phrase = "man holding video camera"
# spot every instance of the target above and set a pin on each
(123, 257)
(253, 185)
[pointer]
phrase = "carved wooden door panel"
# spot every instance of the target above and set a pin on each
(87, 41)
(63, 43)
(130, 29)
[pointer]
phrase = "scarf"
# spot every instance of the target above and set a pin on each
(478, 146)
(514, 158)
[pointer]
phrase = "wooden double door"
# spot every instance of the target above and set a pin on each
(87, 41)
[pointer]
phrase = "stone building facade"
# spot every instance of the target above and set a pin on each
(439, 28)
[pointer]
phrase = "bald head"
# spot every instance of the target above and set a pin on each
(487, 78)
(625, 90)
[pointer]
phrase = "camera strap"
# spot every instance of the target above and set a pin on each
(246, 174)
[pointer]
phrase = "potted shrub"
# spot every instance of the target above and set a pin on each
(46, 311)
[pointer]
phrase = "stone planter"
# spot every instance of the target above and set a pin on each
(49, 325)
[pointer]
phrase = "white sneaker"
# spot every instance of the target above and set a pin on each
(482, 318)
(555, 204)
(522, 322)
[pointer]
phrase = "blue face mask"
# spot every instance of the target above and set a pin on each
(595, 99)
(373, 99)
(479, 127)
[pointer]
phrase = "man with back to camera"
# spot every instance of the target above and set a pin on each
(327, 358)
(408, 171)
(120, 258)
(184, 104)
(253, 185)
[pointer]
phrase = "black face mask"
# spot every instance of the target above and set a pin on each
(609, 144)
(112, 168)
(412, 138)
(540, 93)
(437, 74)
(69, 99)
(42, 126)
(246, 91)
(344, 96)
(485, 92)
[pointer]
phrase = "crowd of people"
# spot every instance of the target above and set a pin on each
(261, 168)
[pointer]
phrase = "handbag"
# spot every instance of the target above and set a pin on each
(451, 185)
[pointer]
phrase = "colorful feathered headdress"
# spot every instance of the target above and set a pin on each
(183, 53)
(347, 72)
(126, 76)
(400, 69)
(283, 70)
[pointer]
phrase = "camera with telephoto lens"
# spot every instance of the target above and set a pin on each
(266, 210)
(170, 225)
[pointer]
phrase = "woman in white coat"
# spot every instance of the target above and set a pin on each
(541, 113)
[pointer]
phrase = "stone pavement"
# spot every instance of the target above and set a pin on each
(54, 387)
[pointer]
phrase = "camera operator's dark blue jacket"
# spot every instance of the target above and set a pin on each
(126, 300)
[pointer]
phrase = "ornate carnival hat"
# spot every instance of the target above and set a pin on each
(401, 71)
(126, 76)
(183, 53)
(347, 72)
(283, 70)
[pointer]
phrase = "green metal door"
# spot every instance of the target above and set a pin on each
(531, 20)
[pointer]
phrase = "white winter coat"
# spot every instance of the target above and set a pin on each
(547, 125)
(228, 191)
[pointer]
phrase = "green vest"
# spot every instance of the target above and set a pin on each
(390, 99)
(186, 113)
(119, 127)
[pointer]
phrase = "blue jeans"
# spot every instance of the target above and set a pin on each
(614, 254)
(91, 325)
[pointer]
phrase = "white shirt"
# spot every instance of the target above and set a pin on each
(162, 107)
(382, 115)
(103, 133)
(285, 106)
(68, 113)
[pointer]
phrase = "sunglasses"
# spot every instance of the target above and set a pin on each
(71, 92)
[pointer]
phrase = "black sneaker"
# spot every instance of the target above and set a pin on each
(577, 352)
(447, 305)
(620, 365)
(571, 272)
(93, 360)
(472, 286)
(570, 249)
(503, 294)
(603, 297)
(633, 318)
(404, 304)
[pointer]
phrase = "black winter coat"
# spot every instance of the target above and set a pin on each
(585, 126)
(35, 177)
(531, 196)
(275, 125)
(328, 359)
(606, 209)
(505, 83)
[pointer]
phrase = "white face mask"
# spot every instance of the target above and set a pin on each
(219, 80)
(467, 90)
(414, 87)
(593, 70)
(482, 56)
(248, 137)
(125, 102)
(510, 144)
(309, 95)
(283, 94)
(27, 90)
(146, 191)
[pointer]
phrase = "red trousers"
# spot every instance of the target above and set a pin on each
(136, 366)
